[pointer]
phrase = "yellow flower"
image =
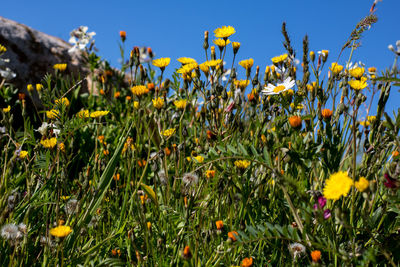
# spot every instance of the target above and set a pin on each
(242, 164)
(60, 67)
(336, 68)
(136, 104)
(52, 114)
(204, 67)
(371, 119)
(213, 63)
(7, 109)
(139, 90)
(3, 49)
(158, 103)
(168, 132)
(338, 184)
(199, 159)
(362, 184)
(224, 32)
(242, 84)
(279, 59)
(186, 69)
(23, 154)
(39, 87)
(83, 114)
(63, 101)
(357, 84)
(100, 113)
(357, 72)
(61, 147)
(161, 62)
(49, 143)
(61, 231)
(186, 60)
(235, 46)
(29, 87)
(365, 123)
(372, 70)
(221, 42)
(180, 104)
(247, 63)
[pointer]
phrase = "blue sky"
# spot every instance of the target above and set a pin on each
(175, 28)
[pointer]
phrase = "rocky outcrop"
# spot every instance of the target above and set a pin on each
(32, 53)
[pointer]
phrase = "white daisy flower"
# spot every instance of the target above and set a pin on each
(271, 89)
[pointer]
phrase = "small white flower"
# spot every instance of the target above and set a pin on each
(80, 38)
(43, 128)
(322, 52)
(396, 51)
(271, 89)
(7, 74)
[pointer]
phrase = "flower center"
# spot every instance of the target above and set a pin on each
(279, 88)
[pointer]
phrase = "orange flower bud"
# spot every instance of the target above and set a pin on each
(232, 235)
(122, 34)
(326, 113)
(316, 255)
(219, 224)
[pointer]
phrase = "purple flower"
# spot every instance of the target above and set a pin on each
(315, 206)
(321, 202)
(327, 214)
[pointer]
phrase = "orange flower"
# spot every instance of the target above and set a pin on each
(122, 34)
(210, 173)
(141, 163)
(220, 225)
(232, 235)
(117, 94)
(186, 253)
(211, 135)
(316, 255)
(326, 113)
(395, 153)
(247, 262)
(295, 121)
(167, 151)
(150, 86)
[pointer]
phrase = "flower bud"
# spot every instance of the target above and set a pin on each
(205, 43)
(312, 55)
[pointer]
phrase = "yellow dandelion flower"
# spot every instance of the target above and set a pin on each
(213, 63)
(186, 69)
(365, 123)
(235, 46)
(100, 113)
(180, 104)
(136, 104)
(242, 164)
(61, 67)
(3, 49)
(161, 62)
(7, 109)
(61, 147)
(357, 84)
(371, 119)
(221, 42)
(23, 154)
(61, 231)
(158, 102)
(372, 70)
(83, 114)
(186, 60)
(52, 114)
(49, 143)
(29, 87)
(168, 132)
(279, 59)
(139, 90)
(362, 184)
(242, 84)
(338, 184)
(204, 68)
(357, 73)
(39, 87)
(63, 101)
(336, 68)
(199, 159)
(224, 32)
(247, 63)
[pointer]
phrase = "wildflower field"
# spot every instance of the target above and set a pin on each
(279, 164)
